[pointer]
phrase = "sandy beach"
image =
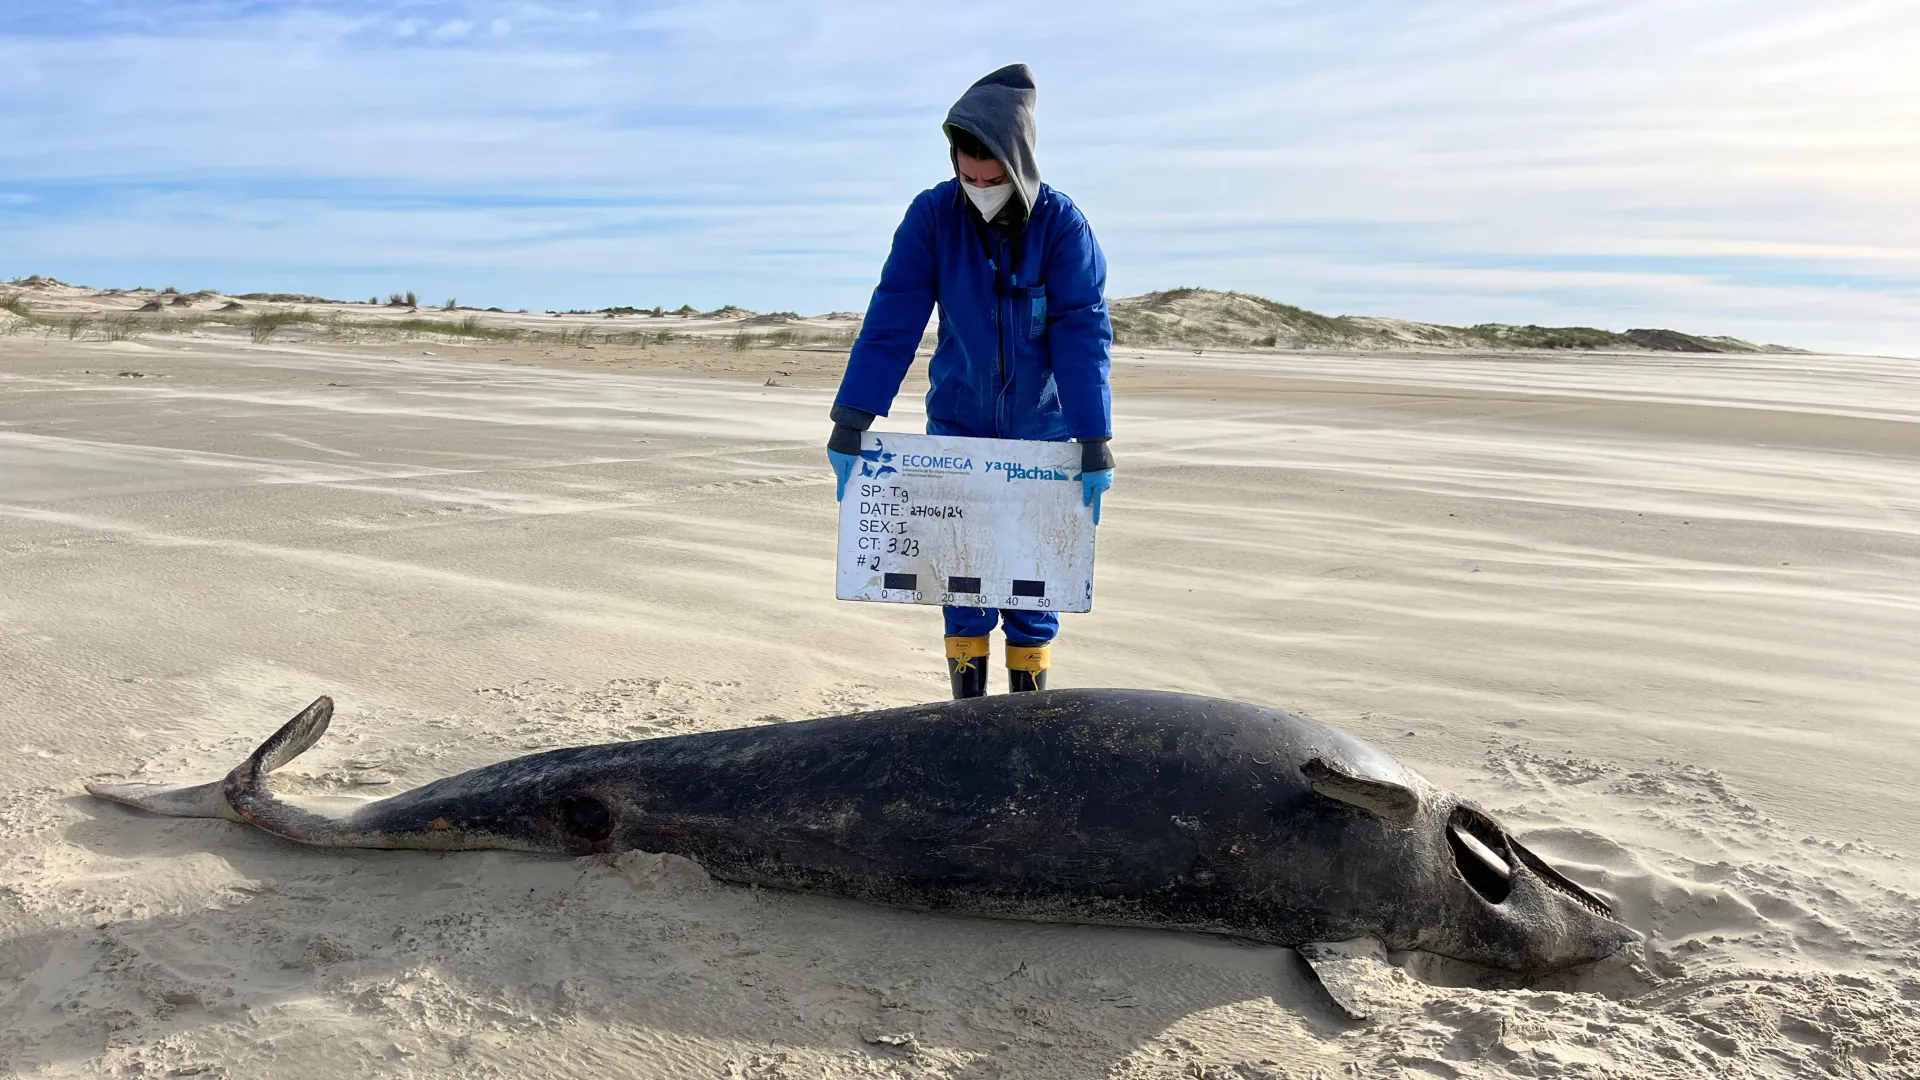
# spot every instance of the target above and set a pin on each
(1657, 611)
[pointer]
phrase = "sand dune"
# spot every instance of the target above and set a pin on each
(1173, 318)
(1659, 612)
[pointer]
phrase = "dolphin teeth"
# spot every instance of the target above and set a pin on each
(1583, 900)
(1560, 884)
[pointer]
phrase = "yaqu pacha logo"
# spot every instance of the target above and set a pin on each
(880, 461)
(1013, 470)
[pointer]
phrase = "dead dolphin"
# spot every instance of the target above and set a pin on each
(1115, 807)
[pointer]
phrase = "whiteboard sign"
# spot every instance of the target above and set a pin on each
(993, 523)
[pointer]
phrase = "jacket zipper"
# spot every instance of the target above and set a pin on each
(1003, 310)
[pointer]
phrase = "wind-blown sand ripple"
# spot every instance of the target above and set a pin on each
(1658, 612)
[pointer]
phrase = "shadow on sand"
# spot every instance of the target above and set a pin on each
(485, 956)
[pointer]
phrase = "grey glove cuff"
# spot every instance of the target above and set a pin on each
(848, 423)
(1095, 455)
(848, 416)
(844, 440)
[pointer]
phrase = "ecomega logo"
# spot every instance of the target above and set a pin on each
(928, 461)
(1016, 471)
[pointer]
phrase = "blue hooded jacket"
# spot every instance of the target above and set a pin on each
(1024, 344)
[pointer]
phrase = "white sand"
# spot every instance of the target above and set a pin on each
(1659, 612)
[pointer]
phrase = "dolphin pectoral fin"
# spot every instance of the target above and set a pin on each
(1355, 974)
(201, 800)
(1378, 797)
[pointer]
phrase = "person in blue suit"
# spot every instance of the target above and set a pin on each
(1024, 346)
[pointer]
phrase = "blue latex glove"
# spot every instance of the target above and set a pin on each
(842, 471)
(1091, 485)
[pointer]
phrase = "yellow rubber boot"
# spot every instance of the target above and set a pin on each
(967, 666)
(1027, 667)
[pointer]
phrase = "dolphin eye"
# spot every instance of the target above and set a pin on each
(585, 817)
(1474, 841)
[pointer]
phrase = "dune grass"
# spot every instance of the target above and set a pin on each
(469, 327)
(124, 327)
(261, 326)
(743, 340)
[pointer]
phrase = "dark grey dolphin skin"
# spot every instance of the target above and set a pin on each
(1114, 807)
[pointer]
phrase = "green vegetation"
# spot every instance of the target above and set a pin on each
(743, 340)
(261, 326)
(469, 327)
(1190, 316)
(1184, 317)
(123, 327)
(338, 325)
(284, 298)
(1202, 317)
(1545, 337)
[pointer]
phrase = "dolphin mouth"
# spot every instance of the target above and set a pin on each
(1560, 883)
(1486, 854)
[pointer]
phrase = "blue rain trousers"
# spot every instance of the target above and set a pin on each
(1023, 627)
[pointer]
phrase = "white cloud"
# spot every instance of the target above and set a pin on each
(1728, 165)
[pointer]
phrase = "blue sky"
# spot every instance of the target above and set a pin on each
(1746, 167)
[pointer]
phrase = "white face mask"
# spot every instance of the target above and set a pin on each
(988, 200)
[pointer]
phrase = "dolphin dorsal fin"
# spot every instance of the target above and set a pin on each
(1380, 798)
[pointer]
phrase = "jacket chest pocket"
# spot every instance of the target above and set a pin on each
(1033, 302)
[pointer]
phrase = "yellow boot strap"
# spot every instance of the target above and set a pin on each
(966, 650)
(1033, 658)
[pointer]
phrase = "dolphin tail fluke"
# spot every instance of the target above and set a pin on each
(294, 738)
(247, 792)
(210, 800)
(200, 800)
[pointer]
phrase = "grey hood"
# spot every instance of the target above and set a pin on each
(998, 110)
